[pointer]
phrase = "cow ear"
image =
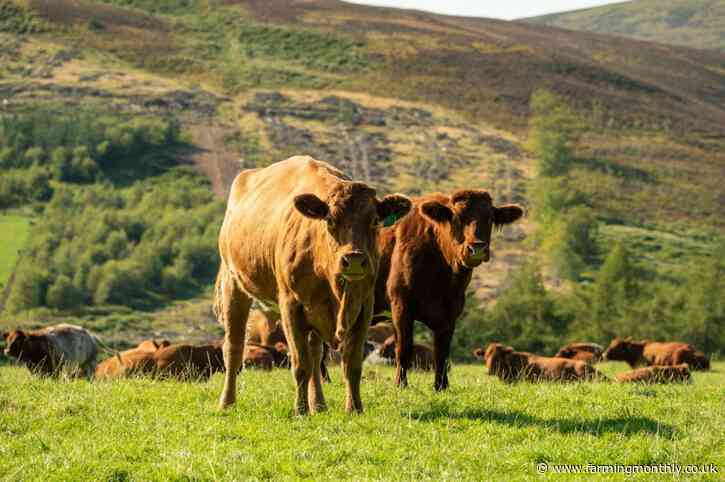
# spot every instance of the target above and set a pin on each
(6, 334)
(311, 206)
(436, 212)
(392, 208)
(629, 338)
(479, 352)
(507, 214)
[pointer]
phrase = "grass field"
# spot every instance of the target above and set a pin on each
(14, 230)
(479, 430)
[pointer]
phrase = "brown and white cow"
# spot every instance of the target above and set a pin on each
(189, 362)
(657, 374)
(509, 366)
(587, 352)
(301, 234)
(650, 353)
(136, 361)
(426, 265)
(54, 350)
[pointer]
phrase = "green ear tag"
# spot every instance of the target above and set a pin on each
(389, 221)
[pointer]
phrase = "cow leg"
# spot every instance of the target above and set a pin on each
(323, 363)
(314, 386)
(299, 350)
(233, 307)
(403, 324)
(352, 359)
(442, 345)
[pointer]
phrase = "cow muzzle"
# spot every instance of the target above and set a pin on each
(354, 265)
(477, 253)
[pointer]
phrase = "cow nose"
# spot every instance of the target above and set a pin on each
(354, 262)
(477, 248)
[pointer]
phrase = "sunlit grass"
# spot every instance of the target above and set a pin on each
(480, 429)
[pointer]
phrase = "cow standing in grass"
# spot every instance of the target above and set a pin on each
(301, 234)
(54, 350)
(426, 265)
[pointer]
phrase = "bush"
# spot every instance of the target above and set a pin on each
(62, 294)
(124, 247)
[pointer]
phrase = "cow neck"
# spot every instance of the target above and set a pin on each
(445, 244)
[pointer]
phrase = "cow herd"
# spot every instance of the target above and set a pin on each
(666, 362)
(326, 263)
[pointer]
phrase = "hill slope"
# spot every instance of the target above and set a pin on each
(692, 23)
(410, 101)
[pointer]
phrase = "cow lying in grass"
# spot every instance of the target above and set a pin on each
(637, 353)
(54, 350)
(423, 358)
(137, 361)
(265, 357)
(657, 374)
(586, 352)
(189, 362)
(510, 366)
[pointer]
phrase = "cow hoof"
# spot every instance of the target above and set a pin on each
(318, 408)
(225, 404)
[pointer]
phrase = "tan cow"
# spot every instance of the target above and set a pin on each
(54, 350)
(264, 327)
(136, 361)
(301, 234)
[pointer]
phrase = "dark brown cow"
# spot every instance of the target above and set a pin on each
(137, 361)
(510, 365)
(587, 352)
(423, 358)
(657, 374)
(426, 265)
(650, 353)
(301, 234)
(189, 362)
(54, 350)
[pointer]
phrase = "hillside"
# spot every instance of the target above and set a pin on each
(409, 101)
(698, 24)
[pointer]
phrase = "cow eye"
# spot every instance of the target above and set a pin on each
(331, 225)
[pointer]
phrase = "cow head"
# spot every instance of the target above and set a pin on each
(623, 350)
(14, 343)
(353, 215)
(468, 217)
(504, 362)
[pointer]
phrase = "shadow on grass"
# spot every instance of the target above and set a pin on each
(623, 425)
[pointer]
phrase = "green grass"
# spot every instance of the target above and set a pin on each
(14, 229)
(481, 429)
